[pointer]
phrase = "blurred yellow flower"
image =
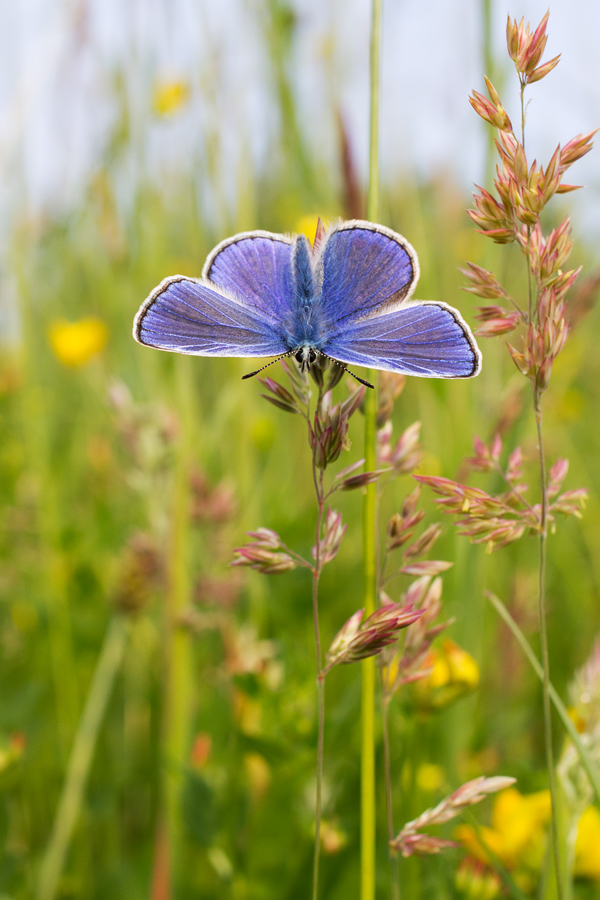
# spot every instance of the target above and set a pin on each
(11, 749)
(476, 881)
(169, 96)
(454, 672)
(516, 836)
(587, 845)
(74, 343)
(430, 777)
(308, 225)
(333, 839)
(258, 773)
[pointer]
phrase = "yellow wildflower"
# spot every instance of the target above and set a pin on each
(74, 343)
(430, 777)
(516, 835)
(169, 96)
(454, 672)
(11, 749)
(258, 773)
(587, 845)
(308, 225)
(476, 882)
(333, 839)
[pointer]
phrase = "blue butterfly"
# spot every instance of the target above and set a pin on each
(346, 298)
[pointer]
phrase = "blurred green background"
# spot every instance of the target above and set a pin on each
(127, 477)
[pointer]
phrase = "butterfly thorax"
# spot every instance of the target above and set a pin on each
(305, 325)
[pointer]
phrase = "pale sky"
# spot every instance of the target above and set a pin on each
(61, 61)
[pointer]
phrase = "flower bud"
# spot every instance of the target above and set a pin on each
(424, 543)
(358, 640)
(333, 532)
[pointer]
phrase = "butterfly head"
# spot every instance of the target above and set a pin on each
(305, 356)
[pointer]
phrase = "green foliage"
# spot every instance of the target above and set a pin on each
(81, 478)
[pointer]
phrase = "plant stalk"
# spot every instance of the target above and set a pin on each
(394, 869)
(177, 684)
(586, 761)
(544, 645)
(71, 798)
(318, 479)
(367, 807)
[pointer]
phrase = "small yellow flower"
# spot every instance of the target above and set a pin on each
(430, 778)
(516, 836)
(11, 749)
(308, 225)
(333, 839)
(587, 845)
(169, 96)
(258, 773)
(74, 343)
(454, 673)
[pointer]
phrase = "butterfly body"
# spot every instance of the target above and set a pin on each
(348, 298)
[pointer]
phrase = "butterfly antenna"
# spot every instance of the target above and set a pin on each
(362, 380)
(346, 369)
(262, 368)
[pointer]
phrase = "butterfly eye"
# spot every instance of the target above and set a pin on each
(299, 356)
(311, 356)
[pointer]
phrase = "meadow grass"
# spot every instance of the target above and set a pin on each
(73, 494)
(202, 771)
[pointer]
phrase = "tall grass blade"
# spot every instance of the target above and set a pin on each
(78, 768)
(561, 709)
(369, 515)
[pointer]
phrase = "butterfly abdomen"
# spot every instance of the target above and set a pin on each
(305, 324)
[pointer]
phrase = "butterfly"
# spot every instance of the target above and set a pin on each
(346, 298)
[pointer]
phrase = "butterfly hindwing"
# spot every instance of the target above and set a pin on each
(363, 268)
(422, 338)
(189, 316)
(252, 301)
(256, 268)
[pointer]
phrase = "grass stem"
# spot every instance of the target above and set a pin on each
(367, 847)
(78, 768)
(178, 686)
(318, 479)
(544, 644)
(586, 761)
(394, 869)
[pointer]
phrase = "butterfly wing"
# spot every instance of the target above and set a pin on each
(423, 338)
(256, 268)
(363, 268)
(189, 316)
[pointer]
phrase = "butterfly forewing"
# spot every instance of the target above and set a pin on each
(427, 339)
(255, 267)
(250, 304)
(187, 316)
(364, 268)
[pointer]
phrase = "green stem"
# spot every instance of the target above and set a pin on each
(523, 86)
(373, 196)
(368, 666)
(394, 870)
(367, 846)
(80, 760)
(529, 278)
(586, 761)
(318, 479)
(544, 645)
(177, 685)
(38, 416)
(488, 65)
